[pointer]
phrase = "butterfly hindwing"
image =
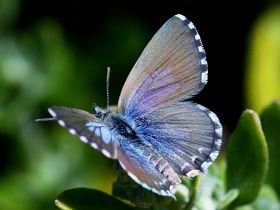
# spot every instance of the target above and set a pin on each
(177, 140)
(87, 127)
(172, 67)
(187, 135)
(147, 167)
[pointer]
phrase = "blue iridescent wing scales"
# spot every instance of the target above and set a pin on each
(178, 140)
(187, 135)
(172, 67)
(184, 135)
(147, 167)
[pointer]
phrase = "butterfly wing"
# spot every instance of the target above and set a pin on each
(187, 135)
(183, 137)
(87, 127)
(178, 140)
(147, 167)
(172, 67)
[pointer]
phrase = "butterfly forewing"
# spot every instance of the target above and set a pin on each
(172, 67)
(87, 127)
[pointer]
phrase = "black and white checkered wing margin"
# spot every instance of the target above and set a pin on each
(87, 127)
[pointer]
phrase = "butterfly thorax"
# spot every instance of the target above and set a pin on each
(116, 122)
(119, 125)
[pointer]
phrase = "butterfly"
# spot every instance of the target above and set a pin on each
(158, 135)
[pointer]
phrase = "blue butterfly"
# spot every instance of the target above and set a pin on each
(158, 135)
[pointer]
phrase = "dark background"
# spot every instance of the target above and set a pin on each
(69, 45)
(223, 26)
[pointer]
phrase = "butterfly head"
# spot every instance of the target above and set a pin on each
(99, 112)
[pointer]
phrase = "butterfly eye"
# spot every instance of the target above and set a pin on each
(129, 130)
(98, 111)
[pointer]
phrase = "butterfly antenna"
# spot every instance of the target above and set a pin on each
(45, 119)
(107, 85)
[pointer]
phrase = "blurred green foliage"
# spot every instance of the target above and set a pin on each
(9, 11)
(36, 69)
(262, 81)
(40, 67)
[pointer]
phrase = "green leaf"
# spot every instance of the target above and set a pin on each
(228, 199)
(127, 189)
(190, 200)
(85, 199)
(247, 158)
(271, 124)
(267, 199)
